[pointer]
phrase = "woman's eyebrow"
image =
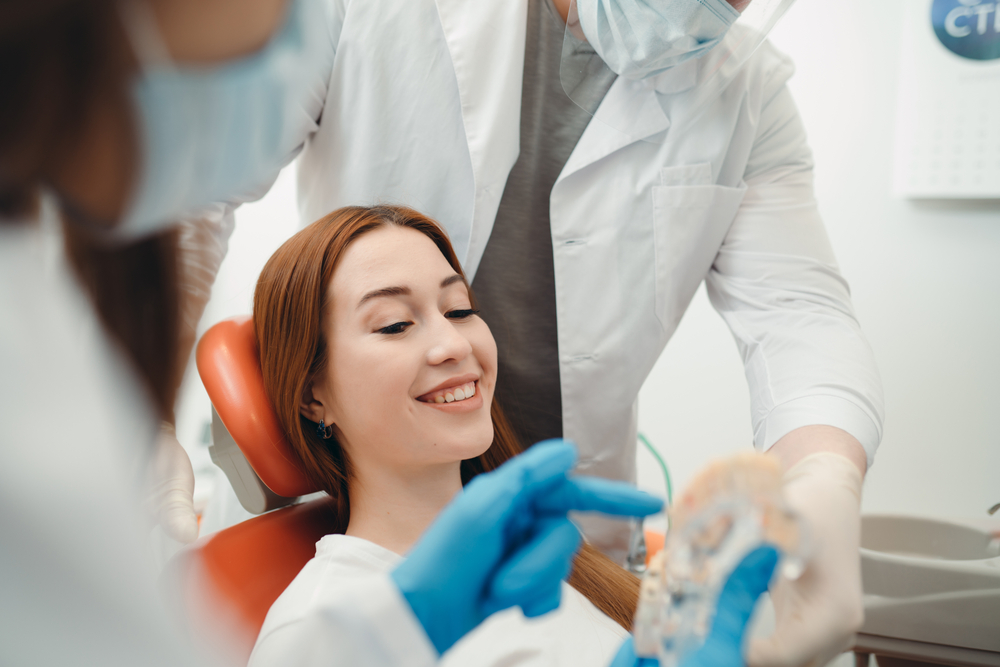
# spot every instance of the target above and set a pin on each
(385, 291)
(405, 291)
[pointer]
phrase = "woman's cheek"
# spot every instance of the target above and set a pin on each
(486, 351)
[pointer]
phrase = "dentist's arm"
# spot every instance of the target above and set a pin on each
(816, 395)
(202, 245)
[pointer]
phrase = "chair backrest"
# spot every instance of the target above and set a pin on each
(249, 565)
(230, 369)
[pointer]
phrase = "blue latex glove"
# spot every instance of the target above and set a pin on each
(724, 645)
(506, 541)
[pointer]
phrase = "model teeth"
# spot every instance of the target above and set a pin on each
(452, 394)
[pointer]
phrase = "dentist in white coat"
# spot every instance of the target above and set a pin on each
(587, 239)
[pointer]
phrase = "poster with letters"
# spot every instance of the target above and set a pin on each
(948, 118)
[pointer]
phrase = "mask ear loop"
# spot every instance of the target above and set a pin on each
(144, 35)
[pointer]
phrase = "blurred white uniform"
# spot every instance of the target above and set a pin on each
(76, 582)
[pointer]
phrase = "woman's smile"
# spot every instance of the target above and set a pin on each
(453, 389)
(457, 398)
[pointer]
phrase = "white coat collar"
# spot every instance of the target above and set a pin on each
(631, 113)
(486, 42)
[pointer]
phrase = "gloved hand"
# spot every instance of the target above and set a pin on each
(506, 541)
(202, 243)
(818, 614)
(724, 645)
(171, 488)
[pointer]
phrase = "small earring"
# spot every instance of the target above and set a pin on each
(324, 431)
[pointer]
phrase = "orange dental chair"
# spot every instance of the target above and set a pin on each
(247, 566)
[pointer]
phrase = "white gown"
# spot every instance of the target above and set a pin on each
(77, 585)
(575, 635)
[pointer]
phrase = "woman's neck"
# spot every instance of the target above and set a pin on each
(393, 507)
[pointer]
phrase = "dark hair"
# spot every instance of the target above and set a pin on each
(287, 306)
(59, 61)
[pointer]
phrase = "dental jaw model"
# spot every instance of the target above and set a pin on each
(731, 508)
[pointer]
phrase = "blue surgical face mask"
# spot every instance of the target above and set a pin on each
(642, 38)
(220, 132)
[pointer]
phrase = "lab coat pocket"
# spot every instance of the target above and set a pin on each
(687, 174)
(689, 225)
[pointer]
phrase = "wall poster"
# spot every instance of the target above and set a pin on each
(948, 116)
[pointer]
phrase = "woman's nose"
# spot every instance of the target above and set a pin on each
(448, 343)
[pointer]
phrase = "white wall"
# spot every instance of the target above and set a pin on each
(925, 278)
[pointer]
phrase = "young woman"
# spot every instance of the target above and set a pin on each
(383, 377)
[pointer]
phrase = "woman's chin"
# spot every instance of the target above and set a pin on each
(461, 444)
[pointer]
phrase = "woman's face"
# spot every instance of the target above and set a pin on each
(411, 368)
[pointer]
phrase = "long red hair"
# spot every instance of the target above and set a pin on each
(287, 311)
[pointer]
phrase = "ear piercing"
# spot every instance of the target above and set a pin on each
(324, 431)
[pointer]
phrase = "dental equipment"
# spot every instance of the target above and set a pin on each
(635, 561)
(729, 510)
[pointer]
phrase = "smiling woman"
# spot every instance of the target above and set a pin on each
(383, 376)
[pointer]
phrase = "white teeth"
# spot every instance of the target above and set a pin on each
(466, 391)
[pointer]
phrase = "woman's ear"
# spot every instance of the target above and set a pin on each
(309, 407)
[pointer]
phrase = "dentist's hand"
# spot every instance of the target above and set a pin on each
(170, 501)
(506, 541)
(817, 615)
(724, 645)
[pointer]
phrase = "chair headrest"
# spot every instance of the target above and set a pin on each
(230, 369)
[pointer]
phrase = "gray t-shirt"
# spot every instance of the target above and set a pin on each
(515, 283)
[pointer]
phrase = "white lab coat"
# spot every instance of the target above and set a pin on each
(77, 585)
(423, 108)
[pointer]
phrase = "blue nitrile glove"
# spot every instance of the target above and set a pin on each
(724, 645)
(506, 541)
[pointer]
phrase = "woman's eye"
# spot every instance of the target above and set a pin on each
(397, 328)
(461, 314)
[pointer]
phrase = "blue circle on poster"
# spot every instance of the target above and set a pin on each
(968, 28)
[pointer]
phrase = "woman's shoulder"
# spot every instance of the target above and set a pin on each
(355, 554)
(339, 560)
(579, 610)
(577, 634)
